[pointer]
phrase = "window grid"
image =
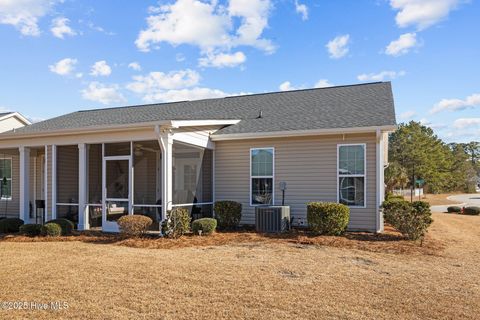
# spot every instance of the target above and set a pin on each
(344, 166)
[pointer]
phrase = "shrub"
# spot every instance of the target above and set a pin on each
(472, 211)
(327, 217)
(206, 225)
(410, 219)
(454, 209)
(228, 214)
(31, 230)
(66, 225)
(136, 225)
(391, 197)
(51, 230)
(10, 225)
(177, 223)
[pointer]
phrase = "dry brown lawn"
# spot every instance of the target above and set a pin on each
(435, 199)
(234, 276)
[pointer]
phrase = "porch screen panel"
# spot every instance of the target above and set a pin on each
(67, 182)
(146, 179)
(95, 174)
(192, 174)
(94, 166)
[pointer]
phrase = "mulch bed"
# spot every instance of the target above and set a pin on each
(388, 242)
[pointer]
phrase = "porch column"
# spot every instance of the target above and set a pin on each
(83, 223)
(24, 183)
(166, 143)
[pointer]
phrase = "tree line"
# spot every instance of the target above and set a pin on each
(418, 155)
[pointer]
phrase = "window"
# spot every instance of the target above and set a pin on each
(6, 179)
(261, 176)
(351, 175)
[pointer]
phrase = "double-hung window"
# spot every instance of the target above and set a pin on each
(351, 174)
(5, 178)
(261, 176)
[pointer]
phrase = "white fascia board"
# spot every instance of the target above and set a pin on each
(91, 129)
(18, 116)
(299, 133)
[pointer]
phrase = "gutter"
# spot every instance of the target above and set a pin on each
(299, 133)
(12, 135)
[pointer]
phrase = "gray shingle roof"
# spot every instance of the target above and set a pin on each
(363, 105)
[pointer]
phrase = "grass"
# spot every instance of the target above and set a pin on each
(245, 275)
(435, 199)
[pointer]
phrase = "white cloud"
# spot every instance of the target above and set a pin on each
(222, 60)
(422, 13)
(63, 67)
(196, 93)
(323, 83)
(402, 45)
(60, 28)
(100, 68)
(286, 86)
(105, 94)
(301, 9)
(470, 102)
(381, 76)
(406, 115)
(155, 84)
(338, 47)
(135, 66)
(24, 14)
(466, 123)
(428, 123)
(208, 25)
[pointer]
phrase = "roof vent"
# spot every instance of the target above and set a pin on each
(260, 114)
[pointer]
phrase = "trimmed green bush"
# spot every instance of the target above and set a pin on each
(31, 230)
(392, 197)
(410, 219)
(66, 225)
(471, 211)
(10, 225)
(177, 223)
(228, 214)
(206, 225)
(454, 209)
(134, 225)
(51, 230)
(327, 217)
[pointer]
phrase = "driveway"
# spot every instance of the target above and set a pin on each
(462, 200)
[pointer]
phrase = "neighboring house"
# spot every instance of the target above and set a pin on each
(12, 120)
(92, 167)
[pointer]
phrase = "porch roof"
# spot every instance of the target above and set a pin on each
(351, 106)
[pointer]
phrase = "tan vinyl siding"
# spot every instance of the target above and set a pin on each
(307, 164)
(11, 208)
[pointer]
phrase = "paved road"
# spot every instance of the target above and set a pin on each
(463, 200)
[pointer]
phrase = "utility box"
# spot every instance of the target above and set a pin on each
(272, 219)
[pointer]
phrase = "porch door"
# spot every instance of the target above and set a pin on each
(117, 195)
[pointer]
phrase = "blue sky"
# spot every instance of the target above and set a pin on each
(62, 56)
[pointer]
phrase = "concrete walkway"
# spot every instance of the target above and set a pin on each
(462, 200)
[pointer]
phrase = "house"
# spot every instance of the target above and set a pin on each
(12, 120)
(94, 166)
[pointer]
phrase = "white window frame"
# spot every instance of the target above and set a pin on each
(9, 179)
(364, 175)
(260, 177)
